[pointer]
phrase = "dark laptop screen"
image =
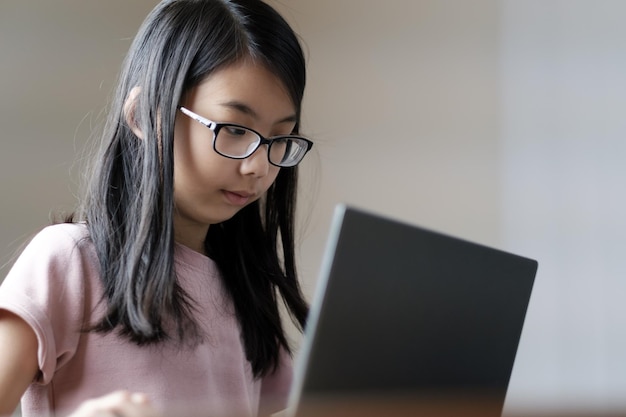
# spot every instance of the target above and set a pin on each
(404, 310)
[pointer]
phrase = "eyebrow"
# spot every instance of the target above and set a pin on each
(245, 109)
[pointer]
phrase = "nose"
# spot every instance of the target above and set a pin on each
(256, 164)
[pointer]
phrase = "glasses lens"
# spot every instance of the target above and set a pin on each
(287, 151)
(236, 141)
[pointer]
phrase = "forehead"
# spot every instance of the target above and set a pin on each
(249, 83)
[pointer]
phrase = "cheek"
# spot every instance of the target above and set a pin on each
(193, 153)
(270, 178)
(190, 141)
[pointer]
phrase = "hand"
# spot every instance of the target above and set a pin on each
(117, 404)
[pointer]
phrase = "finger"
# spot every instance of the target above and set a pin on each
(134, 405)
(139, 398)
(116, 404)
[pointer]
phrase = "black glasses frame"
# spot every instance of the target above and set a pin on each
(215, 127)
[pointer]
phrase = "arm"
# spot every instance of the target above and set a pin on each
(276, 386)
(18, 360)
(19, 367)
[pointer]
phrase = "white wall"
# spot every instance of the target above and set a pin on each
(498, 121)
(564, 195)
(58, 63)
(403, 104)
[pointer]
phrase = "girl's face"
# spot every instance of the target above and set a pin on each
(210, 188)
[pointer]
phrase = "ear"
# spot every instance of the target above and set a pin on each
(129, 111)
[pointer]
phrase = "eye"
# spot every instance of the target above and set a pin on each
(235, 131)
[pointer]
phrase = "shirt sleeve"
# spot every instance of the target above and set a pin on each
(45, 287)
(276, 386)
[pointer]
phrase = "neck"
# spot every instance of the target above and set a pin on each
(191, 238)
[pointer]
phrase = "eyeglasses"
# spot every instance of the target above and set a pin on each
(239, 142)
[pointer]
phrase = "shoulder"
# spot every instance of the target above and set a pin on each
(60, 236)
(61, 250)
(63, 241)
(56, 270)
(51, 287)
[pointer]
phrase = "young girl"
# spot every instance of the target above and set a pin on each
(170, 281)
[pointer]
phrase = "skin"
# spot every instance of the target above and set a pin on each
(208, 189)
(18, 350)
(118, 403)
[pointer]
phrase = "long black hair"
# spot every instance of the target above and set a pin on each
(130, 205)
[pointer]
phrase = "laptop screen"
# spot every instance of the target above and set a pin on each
(401, 310)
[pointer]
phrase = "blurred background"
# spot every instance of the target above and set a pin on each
(502, 122)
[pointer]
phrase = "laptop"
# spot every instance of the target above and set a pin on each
(406, 314)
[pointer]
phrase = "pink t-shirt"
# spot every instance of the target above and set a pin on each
(54, 286)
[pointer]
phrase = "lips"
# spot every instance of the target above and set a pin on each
(237, 198)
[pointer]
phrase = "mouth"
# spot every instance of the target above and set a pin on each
(238, 198)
